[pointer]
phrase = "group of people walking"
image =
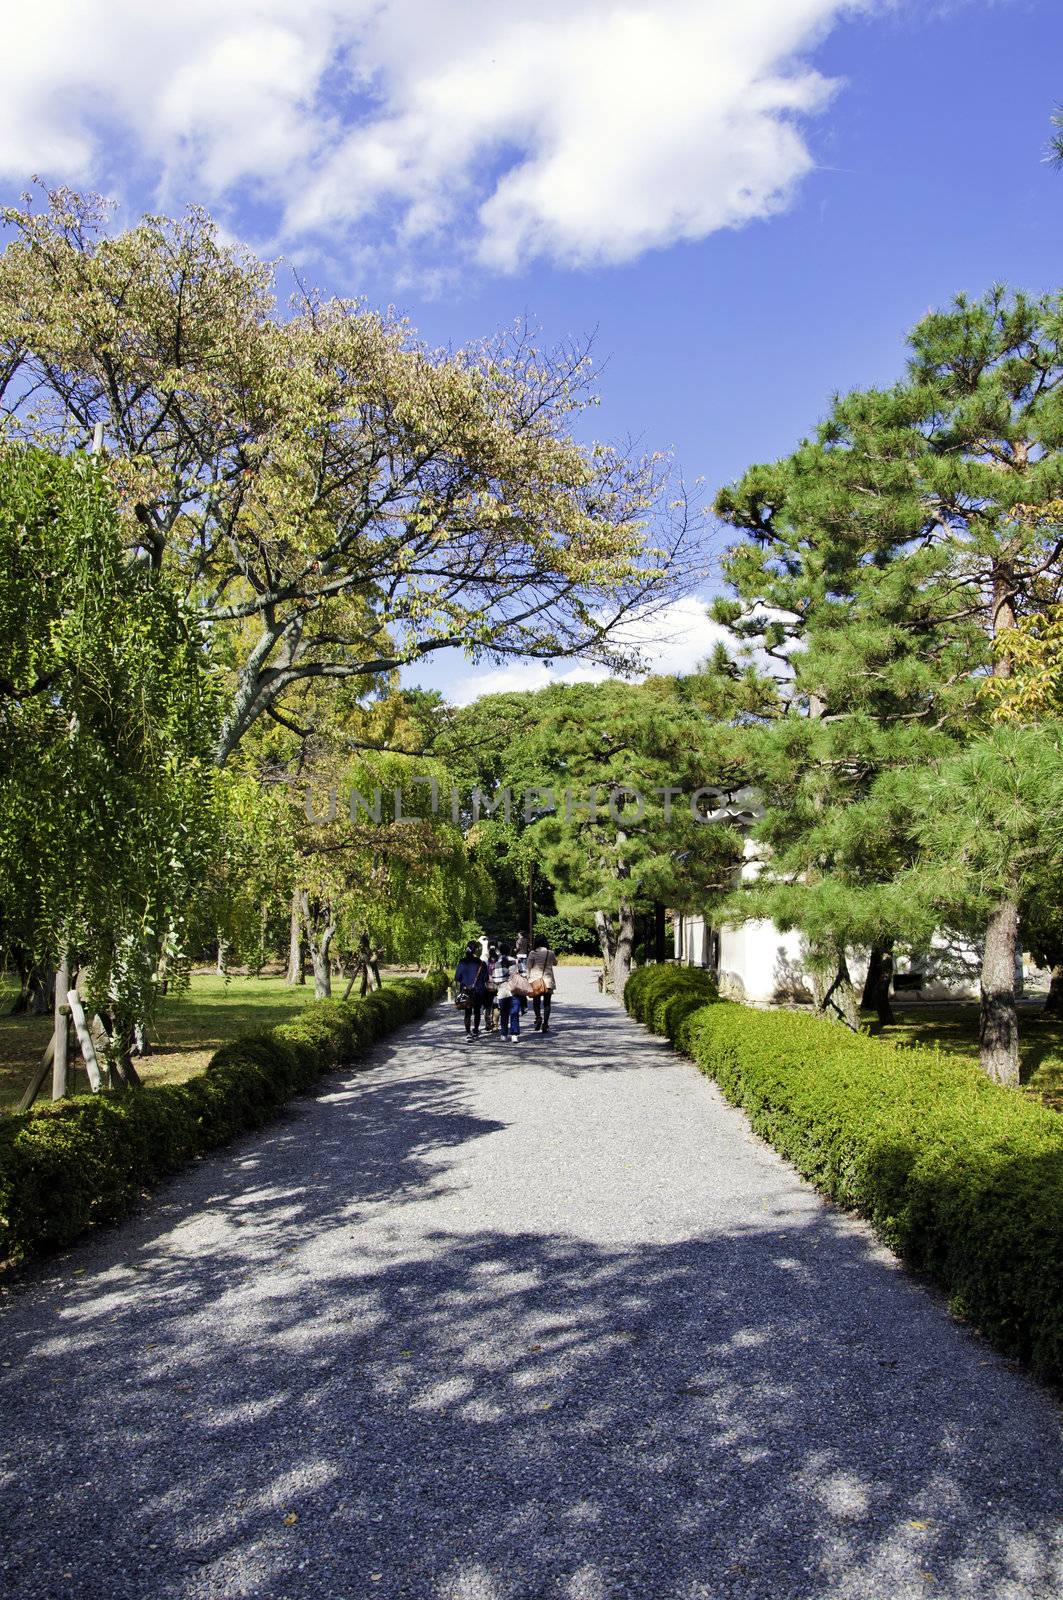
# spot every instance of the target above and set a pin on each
(493, 984)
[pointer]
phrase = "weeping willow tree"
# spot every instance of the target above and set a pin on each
(381, 862)
(110, 814)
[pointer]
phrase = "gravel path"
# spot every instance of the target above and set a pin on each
(502, 1323)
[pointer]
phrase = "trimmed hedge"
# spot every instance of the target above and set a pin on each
(962, 1178)
(68, 1166)
(664, 996)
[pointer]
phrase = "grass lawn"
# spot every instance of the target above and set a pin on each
(188, 1030)
(954, 1027)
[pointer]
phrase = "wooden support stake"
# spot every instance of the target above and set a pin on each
(61, 1036)
(81, 1027)
(40, 1075)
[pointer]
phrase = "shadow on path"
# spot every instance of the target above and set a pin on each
(491, 1413)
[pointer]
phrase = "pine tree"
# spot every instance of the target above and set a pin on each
(887, 560)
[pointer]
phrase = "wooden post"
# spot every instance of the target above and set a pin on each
(81, 1027)
(61, 1037)
(39, 1076)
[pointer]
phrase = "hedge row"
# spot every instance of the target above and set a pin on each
(68, 1166)
(962, 1178)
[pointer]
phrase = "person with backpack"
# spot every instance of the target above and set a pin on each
(541, 981)
(470, 987)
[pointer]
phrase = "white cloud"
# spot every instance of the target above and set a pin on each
(581, 132)
(520, 677)
(676, 639)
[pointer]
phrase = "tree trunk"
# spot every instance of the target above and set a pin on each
(999, 1029)
(263, 935)
(876, 995)
(874, 964)
(998, 1033)
(320, 930)
(322, 973)
(223, 951)
(296, 972)
(1054, 999)
(834, 992)
(122, 1046)
(36, 989)
(625, 945)
(603, 926)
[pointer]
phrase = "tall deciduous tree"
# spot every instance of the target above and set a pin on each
(336, 498)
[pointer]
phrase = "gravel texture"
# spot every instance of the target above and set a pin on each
(510, 1323)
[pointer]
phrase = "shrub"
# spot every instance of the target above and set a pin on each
(964, 1179)
(664, 996)
(68, 1166)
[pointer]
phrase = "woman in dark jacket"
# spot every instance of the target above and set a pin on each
(470, 982)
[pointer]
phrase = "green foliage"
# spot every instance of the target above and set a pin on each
(605, 753)
(567, 936)
(110, 817)
(69, 1166)
(324, 790)
(1032, 687)
(887, 564)
(635, 737)
(963, 1179)
(987, 822)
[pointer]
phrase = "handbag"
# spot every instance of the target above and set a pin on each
(537, 987)
(519, 984)
(465, 997)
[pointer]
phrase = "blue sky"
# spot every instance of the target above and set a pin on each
(748, 204)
